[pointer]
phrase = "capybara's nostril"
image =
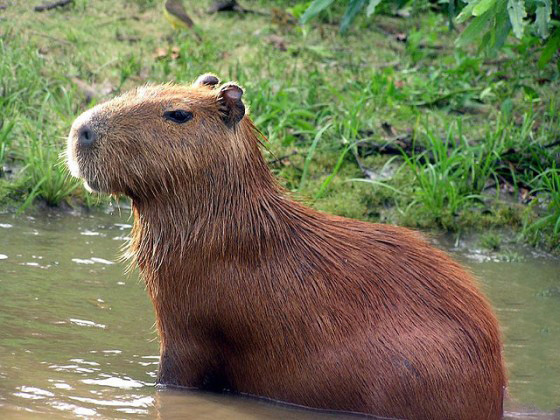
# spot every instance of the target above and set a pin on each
(86, 136)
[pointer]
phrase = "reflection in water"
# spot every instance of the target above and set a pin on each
(175, 404)
(77, 336)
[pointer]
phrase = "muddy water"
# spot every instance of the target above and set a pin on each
(77, 336)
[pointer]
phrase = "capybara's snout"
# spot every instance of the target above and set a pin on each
(87, 148)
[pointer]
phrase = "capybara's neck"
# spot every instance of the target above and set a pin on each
(232, 209)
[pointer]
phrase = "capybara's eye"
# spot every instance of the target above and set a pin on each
(179, 116)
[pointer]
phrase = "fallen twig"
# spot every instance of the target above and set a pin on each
(282, 158)
(53, 5)
(394, 146)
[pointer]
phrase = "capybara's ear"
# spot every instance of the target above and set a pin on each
(231, 105)
(207, 79)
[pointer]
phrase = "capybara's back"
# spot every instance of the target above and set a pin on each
(255, 293)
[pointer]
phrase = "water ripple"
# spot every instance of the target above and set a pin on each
(92, 260)
(140, 402)
(115, 382)
(33, 393)
(86, 323)
(77, 410)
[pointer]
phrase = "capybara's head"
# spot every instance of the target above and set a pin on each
(155, 139)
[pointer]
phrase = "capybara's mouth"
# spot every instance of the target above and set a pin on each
(93, 181)
(82, 165)
(92, 185)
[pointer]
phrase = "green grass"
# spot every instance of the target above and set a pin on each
(477, 120)
(491, 241)
(548, 188)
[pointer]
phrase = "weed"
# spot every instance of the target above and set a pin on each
(310, 155)
(45, 173)
(547, 226)
(5, 140)
(491, 241)
(449, 175)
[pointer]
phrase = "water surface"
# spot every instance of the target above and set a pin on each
(77, 336)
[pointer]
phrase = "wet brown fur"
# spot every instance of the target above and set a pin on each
(258, 294)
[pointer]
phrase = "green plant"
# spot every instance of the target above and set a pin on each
(449, 175)
(548, 186)
(491, 241)
(491, 20)
(5, 140)
(352, 10)
(46, 174)
(325, 184)
(310, 153)
(441, 189)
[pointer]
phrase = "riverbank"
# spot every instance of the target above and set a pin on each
(388, 123)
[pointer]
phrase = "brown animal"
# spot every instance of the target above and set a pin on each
(257, 294)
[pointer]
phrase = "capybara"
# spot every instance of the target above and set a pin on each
(257, 294)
